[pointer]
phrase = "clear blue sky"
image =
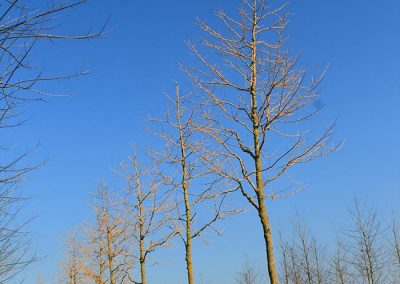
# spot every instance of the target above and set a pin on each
(84, 135)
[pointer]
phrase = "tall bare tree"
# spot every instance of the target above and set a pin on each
(147, 211)
(23, 24)
(255, 100)
(198, 190)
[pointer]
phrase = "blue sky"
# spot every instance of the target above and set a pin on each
(83, 135)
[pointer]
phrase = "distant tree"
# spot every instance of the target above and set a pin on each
(395, 242)
(312, 256)
(303, 259)
(284, 270)
(255, 99)
(73, 263)
(340, 267)
(23, 24)
(394, 249)
(249, 274)
(364, 242)
(106, 249)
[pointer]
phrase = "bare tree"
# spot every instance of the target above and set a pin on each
(312, 255)
(284, 270)
(22, 27)
(106, 247)
(303, 259)
(255, 100)
(364, 243)
(395, 230)
(147, 210)
(192, 179)
(72, 265)
(394, 249)
(249, 274)
(340, 268)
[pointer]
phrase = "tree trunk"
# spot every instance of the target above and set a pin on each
(188, 217)
(262, 213)
(188, 245)
(142, 256)
(189, 265)
(262, 210)
(143, 271)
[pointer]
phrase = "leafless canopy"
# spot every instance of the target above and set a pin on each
(72, 266)
(188, 170)
(105, 247)
(368, 257)
(249, 274)
(146, 207)
(302, 258)
(250, 82)
(23, 24)
(255, 100)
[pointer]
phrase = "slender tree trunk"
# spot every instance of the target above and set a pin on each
(262, 209)
(285, 263)
(189, 266)
(188, 244)
(111, 271)
(142, 253)
(142, 257)
(101, 266)
(110, 258)
(262, 213)
(112, 281)
(143, 270)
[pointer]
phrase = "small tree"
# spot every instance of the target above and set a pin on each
(198, 190)
(340, 268)
(72, 265)
(249, 274)
(146, 210)
(254, 100)
(395, 242)
(303, 259)
(364, 243)
(106, 247)
(311, 255)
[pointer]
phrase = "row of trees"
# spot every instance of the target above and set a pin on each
(235, 137)
(239, 132)
(366, 251)
(130, 226)
(147, 214)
